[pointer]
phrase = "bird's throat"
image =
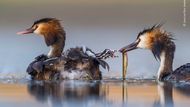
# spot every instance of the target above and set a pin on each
(57, 47)
(55, 51)
(166, 64)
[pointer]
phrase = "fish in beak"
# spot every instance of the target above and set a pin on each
(27, 31)
(130, 47)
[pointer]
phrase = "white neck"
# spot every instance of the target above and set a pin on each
(162, 64)
(166, 63)
(50, 53)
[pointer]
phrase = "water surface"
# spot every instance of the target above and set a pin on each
(98, 24)
(106, 93)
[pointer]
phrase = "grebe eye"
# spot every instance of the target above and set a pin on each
(138, 40)
(36, 26)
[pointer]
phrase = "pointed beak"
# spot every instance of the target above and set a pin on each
(129, 47)
(27, 31)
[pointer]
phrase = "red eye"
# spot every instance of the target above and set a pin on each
(36, 26)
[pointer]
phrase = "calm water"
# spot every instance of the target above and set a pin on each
(110, 23)
(106, 93)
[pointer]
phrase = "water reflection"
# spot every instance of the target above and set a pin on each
(61, 93)
(166, 91)
(184, 89)
(165, 95)
(108, 93)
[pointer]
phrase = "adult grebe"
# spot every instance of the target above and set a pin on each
(163, 47)
(53, 33)
(75, 63)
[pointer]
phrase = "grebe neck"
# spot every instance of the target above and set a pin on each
(57, 47)
(166, 63)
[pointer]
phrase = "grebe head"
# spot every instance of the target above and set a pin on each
(160, 43)
(53, 33)
(154, 39)
(47, 27)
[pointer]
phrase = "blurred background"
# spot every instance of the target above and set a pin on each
(98, 24)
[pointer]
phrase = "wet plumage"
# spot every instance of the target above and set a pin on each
(162, 45)
(74, 63)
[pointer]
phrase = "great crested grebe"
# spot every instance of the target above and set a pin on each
(75, 63)
(53, 33)
(163, 47)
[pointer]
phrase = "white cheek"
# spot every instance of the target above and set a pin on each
(142, 44)
(37, 31)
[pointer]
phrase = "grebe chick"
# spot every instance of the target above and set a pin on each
(162, 45)
(75, 63)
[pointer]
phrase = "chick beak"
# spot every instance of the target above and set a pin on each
(27, 31)
(129, 47)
